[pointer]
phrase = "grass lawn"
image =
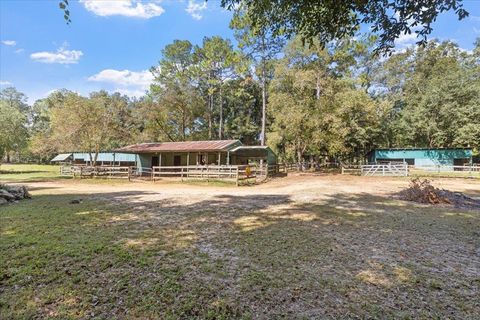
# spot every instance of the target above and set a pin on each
(28, 172)
(118, 255)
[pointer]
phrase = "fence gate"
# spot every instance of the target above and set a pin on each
(398, 170)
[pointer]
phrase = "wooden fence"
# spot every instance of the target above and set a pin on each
(97, 171)
(352, 169)
(309, 166)
(236, 174)
(239, 174)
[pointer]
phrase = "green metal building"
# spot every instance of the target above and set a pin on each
(423, 156)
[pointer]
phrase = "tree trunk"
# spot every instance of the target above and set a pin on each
(220, 124)
(318, 87)
(264, 103)
(184, 135)
(210, 112)
(299, 155)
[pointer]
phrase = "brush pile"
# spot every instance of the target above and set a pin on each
(13, 193)
(422, 191)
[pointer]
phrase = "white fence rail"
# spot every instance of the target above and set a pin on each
(447, 168)
(403, 169)
(396, 170)
(446, 171)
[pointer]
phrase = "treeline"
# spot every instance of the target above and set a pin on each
(335, 102)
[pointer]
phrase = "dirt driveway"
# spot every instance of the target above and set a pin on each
(299, 188)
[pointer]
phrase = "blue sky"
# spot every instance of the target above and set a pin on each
(112, 44)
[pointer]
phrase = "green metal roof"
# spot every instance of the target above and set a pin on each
(105, 156)
(61, 157)
(102, 156)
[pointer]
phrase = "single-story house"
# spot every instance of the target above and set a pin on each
(103, 158)
(423, 156)
(186, 153)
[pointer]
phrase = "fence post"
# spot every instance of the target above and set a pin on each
(237, 176)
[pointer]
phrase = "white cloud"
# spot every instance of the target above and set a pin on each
(137, 93)
(9, 43)
(123, 77)
(130, 83)
(465, 50)
(405, 41)
(195, 9)
(127, 8)
(62, 56)
(19, 50)
(5, 83)
(409, 38)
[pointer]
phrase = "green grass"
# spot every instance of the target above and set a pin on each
(28, 172)
(65, 260)
(116, 255)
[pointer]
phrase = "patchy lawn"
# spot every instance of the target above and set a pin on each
(257, 252)
(28, 172)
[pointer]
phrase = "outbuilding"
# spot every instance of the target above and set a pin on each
(187, 153)
(103, 158)
(423, 156)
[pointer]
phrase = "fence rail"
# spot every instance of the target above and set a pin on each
(234, 173)
(352, 169)
(385, 170)
(403, 169)
(446, 170)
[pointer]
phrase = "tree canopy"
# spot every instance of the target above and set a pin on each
(335, 101)
(330, 20)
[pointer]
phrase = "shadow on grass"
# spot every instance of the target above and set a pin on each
(141, 254)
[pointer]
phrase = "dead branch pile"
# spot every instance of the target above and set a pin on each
(423, 191)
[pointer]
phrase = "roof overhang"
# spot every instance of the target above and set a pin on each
(184, 146)
(61, 157)
(251, 151)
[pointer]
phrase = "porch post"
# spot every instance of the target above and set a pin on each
(188, 159)
(160, 159)
(219, 158)
(228, 158)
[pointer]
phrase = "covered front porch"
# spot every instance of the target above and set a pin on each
(222, 159)
(177, 159)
